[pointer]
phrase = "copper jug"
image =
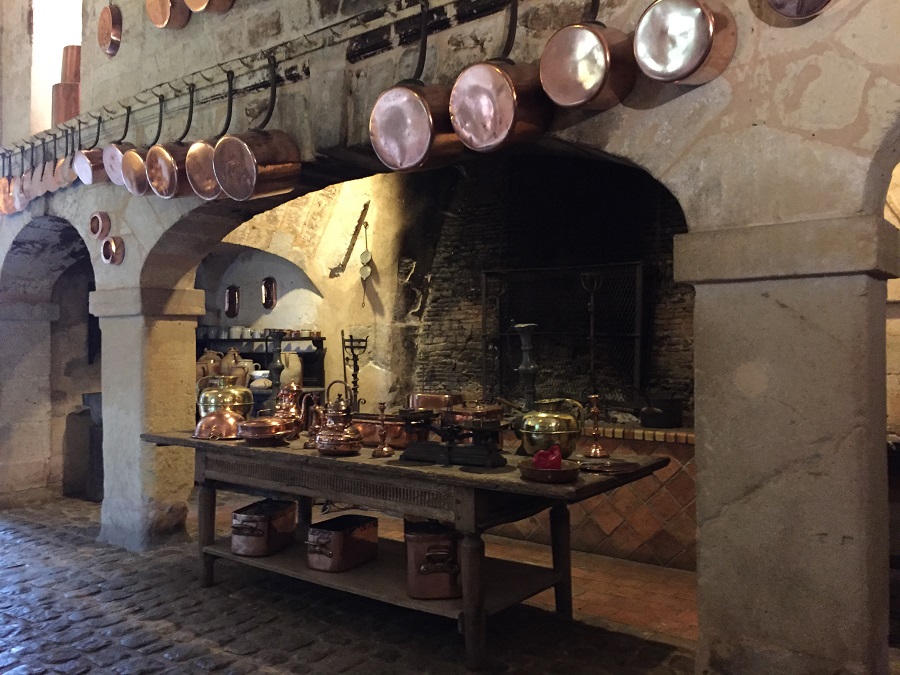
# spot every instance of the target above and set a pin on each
(339, 437)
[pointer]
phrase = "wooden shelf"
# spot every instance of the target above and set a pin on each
(508, 583)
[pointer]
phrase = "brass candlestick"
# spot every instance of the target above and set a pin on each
(596, 450)
(383, 450)
(315, 425)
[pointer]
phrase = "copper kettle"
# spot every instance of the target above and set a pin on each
(339, 437)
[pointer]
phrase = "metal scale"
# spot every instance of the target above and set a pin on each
(483, 451)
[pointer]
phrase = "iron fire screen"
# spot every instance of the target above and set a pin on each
(558, 300)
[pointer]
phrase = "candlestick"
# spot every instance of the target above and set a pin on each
(383, 450)
(596, 449)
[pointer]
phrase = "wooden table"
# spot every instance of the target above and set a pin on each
(474, 499)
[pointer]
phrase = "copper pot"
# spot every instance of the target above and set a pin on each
(410, 127)
(588, 65)
(109, 30)
(256, 164)
(6, 201)
(112, 250)
(200, 172)
(88, 164)
(798, 9)
(166, 170)
(168, 13)
(134, 171)
(685, 41)
(498, 103)
(64, 174)
(112, 161)
(211, 6)
(219, 425)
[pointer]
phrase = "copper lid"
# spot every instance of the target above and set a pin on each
(109, 30)
(112, 161)
(575, 65)
(798, 9)
(483, 106)
(198, 6)
(200, 172)
(168, 13)
(673, 39)
(162, 171)
(401, 128)
(134, 172)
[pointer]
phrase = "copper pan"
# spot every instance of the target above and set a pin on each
(199, 162)
(134, 171)
(588, 65)
(685, 41)
(168, 13)
(113, 153)
(6, 202)
(109, 30)
(211, 6)
(20, 199)
(165, 162)
(64, 174)
(798, 9)
(88, 163)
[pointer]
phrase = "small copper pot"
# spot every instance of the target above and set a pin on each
(134, 171)
(211, 6)
(109, 30)
(112, 250)
(256, 164)
(112, 161)
(410, 127)
(685, 41)
(168, 13)
(589, 66)
(99, 225)
(498, 103)
(166, 170)
(64, 174)
(88, 164)
(200, 172)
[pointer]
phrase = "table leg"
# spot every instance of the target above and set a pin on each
(206, 524)
(472, 578)
(562, 559)
(304, 517)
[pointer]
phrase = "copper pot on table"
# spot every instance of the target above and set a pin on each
(685, 41)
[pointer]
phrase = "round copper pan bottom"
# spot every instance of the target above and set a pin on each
(134, 172)
(200, 172)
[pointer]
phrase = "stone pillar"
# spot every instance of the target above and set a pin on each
(25, 406)
(148, 342)
(789, 355)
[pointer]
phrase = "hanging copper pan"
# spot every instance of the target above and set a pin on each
(798, 9)
(685, 41)
(115, 151)
(409, 125)
(199, 163)
(109, 30)
(168, 13)
(88, 163)
(258, 163)
(588, 65)
(211, 6)
(6, 201)
(134, 171)
(64, 174)
(165, 162)
(499, 103)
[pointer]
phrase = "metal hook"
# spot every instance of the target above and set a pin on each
(593, 11)
(43, 157)
(190, 116)
(55, 150)
(273, 86)
(159, 121)
(127, 122)
(31, 143)
(97, 139)
(511, 29)
(230, 75)
(423, 41)
(172, 87)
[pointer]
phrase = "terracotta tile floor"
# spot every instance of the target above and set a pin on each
(643, 600)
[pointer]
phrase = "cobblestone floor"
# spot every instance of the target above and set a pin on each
(71, 605)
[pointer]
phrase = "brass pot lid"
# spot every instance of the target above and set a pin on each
(483, 106)
(168, 13)
(798, 9)
(401, 128)
(575, 65)
(112, 161)
(673, 39)
(134, 172)
(200, 172)
(162, 171)
(109, 30)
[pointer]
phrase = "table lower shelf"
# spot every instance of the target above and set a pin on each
(506, 583)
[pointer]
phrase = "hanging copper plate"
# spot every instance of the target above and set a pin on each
(589, 66)
(256, 164)
(685, 41)
(200, 172)
(168, 13)
(165, 170)
(211, 6)
(134, 172)
(109, 30)
(798, 9)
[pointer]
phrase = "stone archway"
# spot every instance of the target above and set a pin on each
(42, 250)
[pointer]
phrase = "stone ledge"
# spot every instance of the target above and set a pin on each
(838, 246)
(627, 433)
(154, 302)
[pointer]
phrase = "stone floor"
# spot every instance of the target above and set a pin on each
(71, 605)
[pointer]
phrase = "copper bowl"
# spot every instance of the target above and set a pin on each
(219, 425)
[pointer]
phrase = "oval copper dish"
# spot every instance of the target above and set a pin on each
(109, 30)
(497, 103)
(798, 9)
(685, 41)
(568, 473)
(99, 225)
(211, 6)
(200, 172)
(112, 161)
(588, 66)
(165, 170)
(410, 127)
(256, 164)
(134, 171)
(168, 13)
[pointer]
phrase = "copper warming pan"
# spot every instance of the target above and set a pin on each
(588, 65)
(168, 13)
(685, 41)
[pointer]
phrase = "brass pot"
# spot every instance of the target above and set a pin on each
(221, 391)
(555, 421)
(256, 164)
(685, 41)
